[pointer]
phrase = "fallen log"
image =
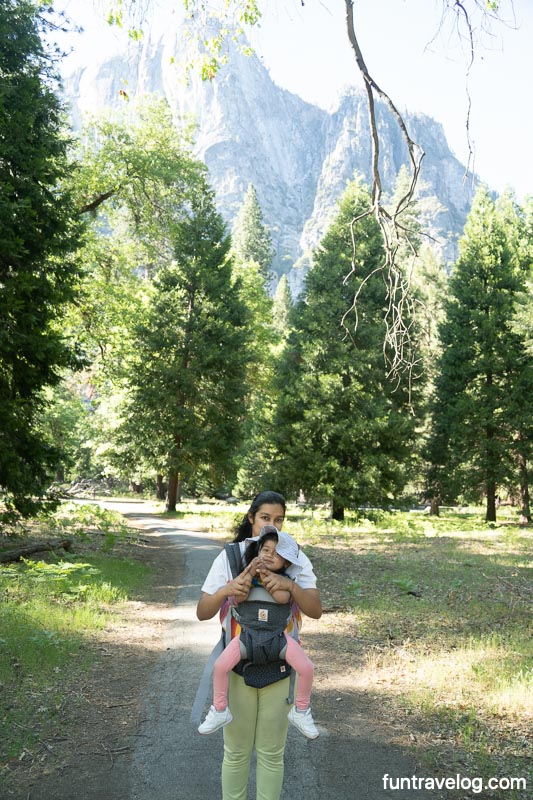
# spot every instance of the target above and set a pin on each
(15, 555)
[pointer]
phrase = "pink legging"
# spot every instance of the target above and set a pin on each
(295, 657)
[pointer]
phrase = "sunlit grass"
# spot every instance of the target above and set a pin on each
(436, 614)
(48, 612)
(490, 673)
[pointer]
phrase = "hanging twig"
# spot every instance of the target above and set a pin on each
(398, 347)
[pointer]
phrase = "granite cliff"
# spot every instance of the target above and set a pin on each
(298, 156)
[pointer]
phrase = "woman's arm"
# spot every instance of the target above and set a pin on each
(210, 604)
(308, 601)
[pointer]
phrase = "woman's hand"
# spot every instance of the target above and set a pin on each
(239, 588)
(255, 565)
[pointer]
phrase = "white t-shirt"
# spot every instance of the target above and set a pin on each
(220, 572)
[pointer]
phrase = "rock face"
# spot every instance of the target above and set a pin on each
(298, 157)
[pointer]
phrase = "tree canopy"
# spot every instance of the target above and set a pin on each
(39, 234)
(471, 19)
(191, 371)
(482, 428)
(344, 433)
(187, 383)
(251, 239)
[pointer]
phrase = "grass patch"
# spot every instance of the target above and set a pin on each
(87, 521)
(437, 623)
(215, 518)
(50, 611)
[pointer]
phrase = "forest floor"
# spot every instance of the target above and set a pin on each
(120, 730)
(92, 737)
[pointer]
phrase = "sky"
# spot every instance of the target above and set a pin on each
(423, 67)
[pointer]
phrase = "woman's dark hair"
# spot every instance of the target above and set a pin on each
(244, 529)
(253, 548)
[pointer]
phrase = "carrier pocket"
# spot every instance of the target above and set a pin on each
(260, 675)
(262, 647)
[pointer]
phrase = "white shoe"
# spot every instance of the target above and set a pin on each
(303, 720)
(215, 720)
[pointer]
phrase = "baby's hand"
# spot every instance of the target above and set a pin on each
(255, 566)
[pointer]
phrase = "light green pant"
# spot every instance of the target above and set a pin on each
(260, 721)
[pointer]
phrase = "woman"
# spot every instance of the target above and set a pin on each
(259, 715)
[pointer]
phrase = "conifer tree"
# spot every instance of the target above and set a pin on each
(484, 379)
(256, 452)
(38, 234)
(251, 239)
(188, 385)
(344, 431)
(282, 305)
(252, 248)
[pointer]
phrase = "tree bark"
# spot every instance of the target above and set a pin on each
(491, 456)
(525, 511)
(337, 510)
(29, 549)
(434, 510)
(160, 488)
(490, 516)
(97, 201)
(173, 491)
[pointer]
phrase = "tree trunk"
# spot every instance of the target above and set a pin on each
(173, 491)
(15, 555)
(161, 490)
(525, 511)
(337, 510)
(492, 458)
(434, 510)
(490, 516)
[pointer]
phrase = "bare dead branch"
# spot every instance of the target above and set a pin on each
(397, 347)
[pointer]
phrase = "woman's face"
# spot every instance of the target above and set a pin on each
(267, 514)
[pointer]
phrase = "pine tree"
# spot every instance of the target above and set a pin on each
(188, 385)
(344, 431)
(251, 239)
(255, 453)
(38, 236)
(282, 305)
(253, 259)
(484, 378)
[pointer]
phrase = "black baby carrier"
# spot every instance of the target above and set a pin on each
(262, 639)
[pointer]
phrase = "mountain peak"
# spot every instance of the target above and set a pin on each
(298, 156)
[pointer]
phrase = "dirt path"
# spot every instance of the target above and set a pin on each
(130, 738)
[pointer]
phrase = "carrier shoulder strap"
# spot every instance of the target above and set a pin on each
(233, 552)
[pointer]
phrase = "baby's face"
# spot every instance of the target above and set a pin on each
(270, 559)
